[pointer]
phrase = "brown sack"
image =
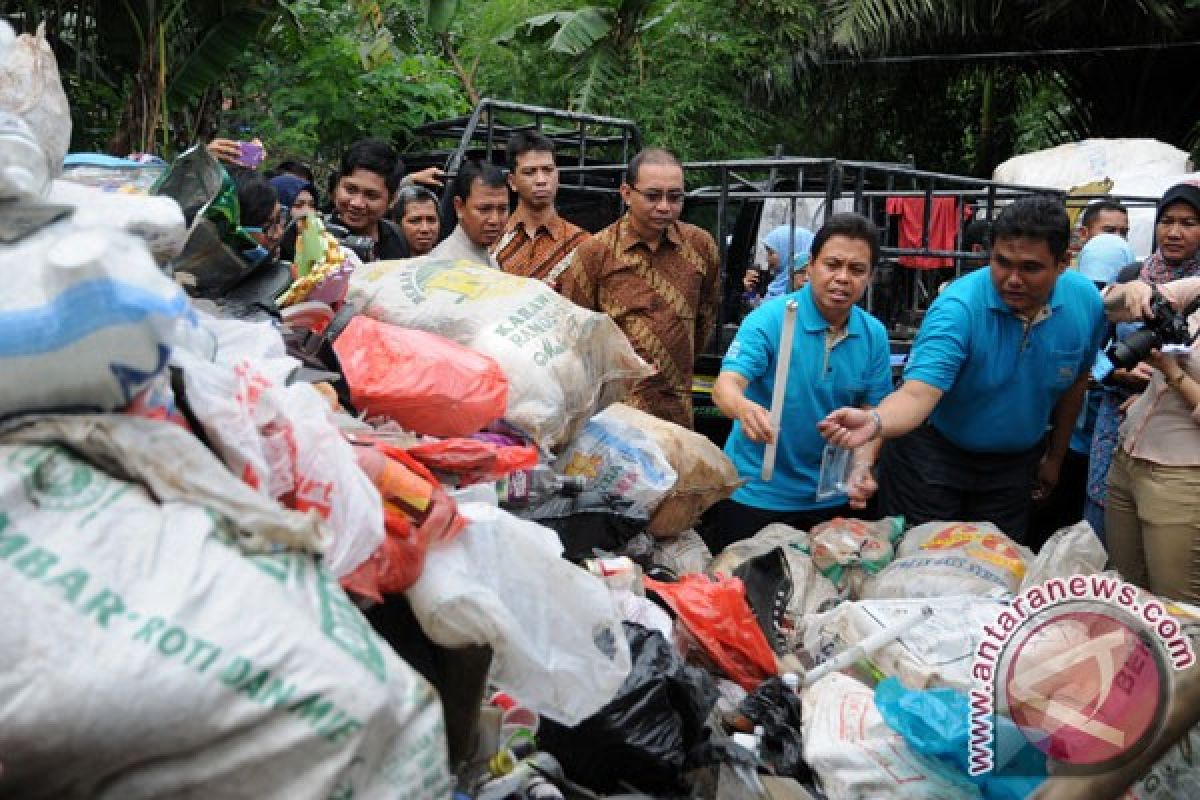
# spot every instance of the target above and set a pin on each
(706, 475)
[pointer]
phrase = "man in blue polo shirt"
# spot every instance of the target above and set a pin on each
(1002, 354)
(839, 357)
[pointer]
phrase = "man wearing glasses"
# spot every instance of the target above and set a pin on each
(657, 278)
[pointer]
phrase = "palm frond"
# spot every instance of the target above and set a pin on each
(601, 68)
(215, 49)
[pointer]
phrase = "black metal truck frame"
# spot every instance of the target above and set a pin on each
(728, 198)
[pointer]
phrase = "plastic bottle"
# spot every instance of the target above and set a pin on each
(23, 168)
(528, 488)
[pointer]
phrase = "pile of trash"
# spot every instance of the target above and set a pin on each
(391, 533)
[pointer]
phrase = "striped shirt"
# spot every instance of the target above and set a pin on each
(664, 299)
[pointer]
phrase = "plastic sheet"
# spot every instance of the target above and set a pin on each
(935, 723)
(715, 612)
(423, 381)
(470, 461)
(554, 629)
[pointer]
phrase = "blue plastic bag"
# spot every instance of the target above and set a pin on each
(936, 723)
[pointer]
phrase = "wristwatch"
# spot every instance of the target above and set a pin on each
(878, 420)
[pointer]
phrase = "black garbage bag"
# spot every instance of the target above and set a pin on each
(777, 709)
(643, 737)
(589, 521)
(768, 582)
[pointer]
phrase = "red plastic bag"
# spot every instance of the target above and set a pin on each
(715, 612)
(426, 383)
(474, 461)
(417, 513)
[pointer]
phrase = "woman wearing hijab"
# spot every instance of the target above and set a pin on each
(296, 195)
(1152, 511)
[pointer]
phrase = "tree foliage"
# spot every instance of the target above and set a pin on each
(708, 78)
(342, 72)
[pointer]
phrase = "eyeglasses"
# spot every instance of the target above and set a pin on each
(656, 196)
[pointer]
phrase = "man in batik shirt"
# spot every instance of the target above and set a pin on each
(657, 278)
(538, 243)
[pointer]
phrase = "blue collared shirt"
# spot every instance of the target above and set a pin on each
(854, 371)
(1002, 377)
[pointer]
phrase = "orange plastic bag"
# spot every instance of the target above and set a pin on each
(417, 513)
(426, 383)
(474, 461)
(715, 612)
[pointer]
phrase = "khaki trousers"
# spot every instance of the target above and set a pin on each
(1153, 521)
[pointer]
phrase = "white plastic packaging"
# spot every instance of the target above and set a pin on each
(23, 169)
(281, 439)
(834, 477)
(554, 629)
(30, 87)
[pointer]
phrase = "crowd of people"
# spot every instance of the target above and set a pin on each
(1006, 412)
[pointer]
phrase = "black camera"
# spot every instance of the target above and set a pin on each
(1165, 326)
(363, 246)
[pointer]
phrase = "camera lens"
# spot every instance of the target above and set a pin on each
(1127, 353)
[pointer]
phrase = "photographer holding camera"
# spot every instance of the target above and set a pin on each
(1153, 505)
(363, 190)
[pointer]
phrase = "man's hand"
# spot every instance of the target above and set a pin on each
(862, 485)
(431, 177)
(756, 421)
(1047, 477)
(1138, 296)
(1143, 371)
(848, 427)
(750, 280)
(225, 150)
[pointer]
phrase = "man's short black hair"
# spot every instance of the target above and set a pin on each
(373, 155)
(492, 176)
(1037, 217)
(256, 199)
(851, 226)
(977, 232)
(651, 155)
(523, 142)
(413, 194)
(1092, 209)
(293, 167)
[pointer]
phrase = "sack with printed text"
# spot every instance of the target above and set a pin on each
(856, 755)
(614, 456)
(942, 559)
(563, 363)
(937, 652)
(704, 474)
(144, 655)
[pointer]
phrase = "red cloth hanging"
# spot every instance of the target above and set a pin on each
(943, 228)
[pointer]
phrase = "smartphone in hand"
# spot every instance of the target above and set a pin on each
(251, 154)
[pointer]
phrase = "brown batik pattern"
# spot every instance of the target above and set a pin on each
(665, 301)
